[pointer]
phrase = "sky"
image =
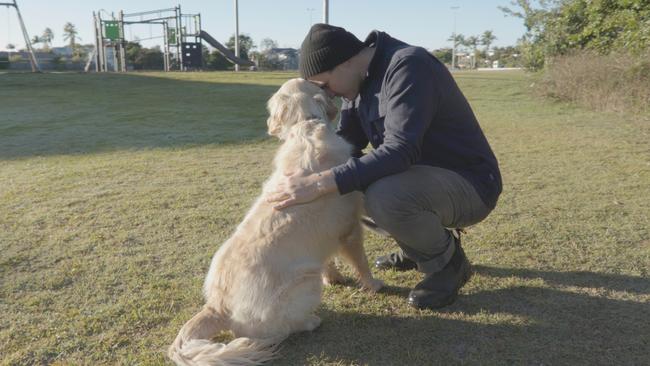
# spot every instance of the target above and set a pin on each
(426, 23)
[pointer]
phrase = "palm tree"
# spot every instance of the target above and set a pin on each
(487, 39)
(10, 48)
(36, 40)
(70, 34)
(47, 37)
(473, 42)
(457, 39)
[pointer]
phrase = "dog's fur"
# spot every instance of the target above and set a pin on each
(265, 282)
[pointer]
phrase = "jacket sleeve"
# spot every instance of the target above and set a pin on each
(412, 100)
(350, 129)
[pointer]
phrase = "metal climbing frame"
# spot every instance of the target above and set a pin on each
(178, 31)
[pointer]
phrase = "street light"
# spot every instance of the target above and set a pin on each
(236, 33)
(310, 10)
(453, 37)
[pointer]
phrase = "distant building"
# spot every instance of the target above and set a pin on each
(65, 51)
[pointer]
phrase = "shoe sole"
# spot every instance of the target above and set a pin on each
(387, 267)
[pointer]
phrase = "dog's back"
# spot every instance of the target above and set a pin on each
(271, 247)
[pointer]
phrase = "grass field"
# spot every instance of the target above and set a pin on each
(115, 191)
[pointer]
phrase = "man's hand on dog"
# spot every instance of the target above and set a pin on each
(297, 188)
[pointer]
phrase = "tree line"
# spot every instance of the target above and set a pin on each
(469, 44)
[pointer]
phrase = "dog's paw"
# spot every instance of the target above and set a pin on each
(312, 323)
(332, 277)
(373, 285)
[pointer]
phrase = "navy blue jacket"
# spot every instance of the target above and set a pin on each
(411, 111)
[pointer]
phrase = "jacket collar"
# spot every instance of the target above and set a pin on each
(377, 40)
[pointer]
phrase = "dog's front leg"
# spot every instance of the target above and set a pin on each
(351, 249)
(331, 274)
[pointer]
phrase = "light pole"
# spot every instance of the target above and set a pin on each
(326, 11)
(311, 11)
(453, 36)
(237, 33)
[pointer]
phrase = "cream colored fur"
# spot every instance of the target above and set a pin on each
(265, 281)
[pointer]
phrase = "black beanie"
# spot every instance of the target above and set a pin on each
(326, 47)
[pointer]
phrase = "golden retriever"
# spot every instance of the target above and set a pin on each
(265, 281)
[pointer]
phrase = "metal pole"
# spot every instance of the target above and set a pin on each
(102, 49)
(237, 32)
(100, 42)
(200, 40)
(32, 56)
(115, 52)
(122, 43)
(149, 12)
(326, 11)
(166, 45)
(453, 36)
(147, 21)
(96, 42)
(179, 38)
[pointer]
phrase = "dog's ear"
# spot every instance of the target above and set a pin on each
(327, 105)
(278, 107)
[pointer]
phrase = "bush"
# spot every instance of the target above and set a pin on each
(141, 58)
(443, 54)
(215, 61)
(555, 28)
(614, 82)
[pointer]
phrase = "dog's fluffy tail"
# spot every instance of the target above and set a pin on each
(193, 347)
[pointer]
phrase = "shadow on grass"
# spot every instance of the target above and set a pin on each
(520, 325)
(614, 282)
(53, 114)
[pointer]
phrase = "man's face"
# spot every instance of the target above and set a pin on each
(342, 81)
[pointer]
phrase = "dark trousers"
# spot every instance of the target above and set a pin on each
(419, 205)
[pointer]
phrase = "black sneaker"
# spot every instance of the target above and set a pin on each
(397, 261)
(440, 289)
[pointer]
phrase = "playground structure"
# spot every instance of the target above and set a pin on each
(182, 36)
(28, 42)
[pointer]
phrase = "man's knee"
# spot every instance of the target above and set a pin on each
(382, 202)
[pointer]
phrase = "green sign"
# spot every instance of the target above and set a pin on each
(112, 30)
(171, 35)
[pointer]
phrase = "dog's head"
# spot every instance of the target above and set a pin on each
(298, 100)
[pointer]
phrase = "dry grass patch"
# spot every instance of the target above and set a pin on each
(615, 82)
